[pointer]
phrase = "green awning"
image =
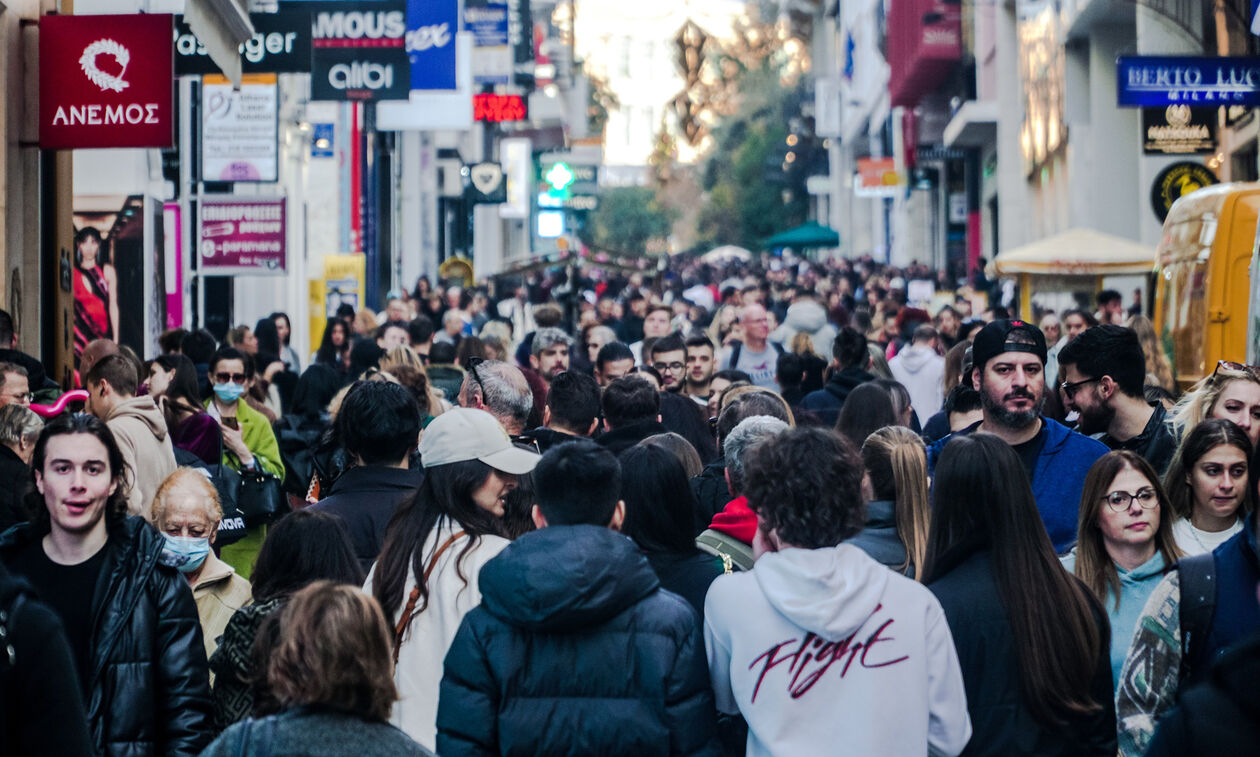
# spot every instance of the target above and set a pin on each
(810, 234)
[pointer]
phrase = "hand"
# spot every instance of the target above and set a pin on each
(234, 440)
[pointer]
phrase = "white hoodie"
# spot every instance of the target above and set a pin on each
(828, 652)
(922, 372)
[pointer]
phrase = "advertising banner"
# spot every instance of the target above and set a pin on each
(106, 81)
(487, 20)
(431, 29)
(239, 129)
(1179, 130)
(358, 51)
(876, 177)
(281, 44)
(242, 235)
(1153, 81)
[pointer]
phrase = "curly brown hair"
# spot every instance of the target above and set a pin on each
(806, 485)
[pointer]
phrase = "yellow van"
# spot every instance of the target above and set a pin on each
(1203, 282)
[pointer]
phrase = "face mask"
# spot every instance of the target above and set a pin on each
(228, 392)
(184, 553)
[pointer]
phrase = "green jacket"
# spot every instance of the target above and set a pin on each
(259, 438)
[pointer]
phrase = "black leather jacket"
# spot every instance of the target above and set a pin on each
(149, 690)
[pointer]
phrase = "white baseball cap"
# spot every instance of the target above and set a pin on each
(463, 433)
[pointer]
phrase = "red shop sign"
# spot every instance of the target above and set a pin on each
(498, 108)
(106, 81)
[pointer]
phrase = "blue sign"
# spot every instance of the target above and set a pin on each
(322, 145)
(431, 29)
(1149, 81)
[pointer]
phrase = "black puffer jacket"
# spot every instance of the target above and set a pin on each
(576, 650)
(149, 690)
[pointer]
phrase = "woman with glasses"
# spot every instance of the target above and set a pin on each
(1232, 392)
(1209, 487)
(248, 441)
(1124, 542)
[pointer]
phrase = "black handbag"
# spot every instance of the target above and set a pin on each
(260, 497)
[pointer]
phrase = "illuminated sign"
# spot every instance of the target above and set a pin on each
(498, 108)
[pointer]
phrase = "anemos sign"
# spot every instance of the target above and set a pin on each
(106, 81)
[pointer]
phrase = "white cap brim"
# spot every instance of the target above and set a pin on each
(512, 460)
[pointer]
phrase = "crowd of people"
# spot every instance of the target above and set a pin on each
(769, 507)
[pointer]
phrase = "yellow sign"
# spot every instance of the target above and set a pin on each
(343, 282)
(457, 267)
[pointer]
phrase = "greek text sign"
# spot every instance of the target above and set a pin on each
(106, 81)
(242, 235)
(1159, 81)
(238, 129)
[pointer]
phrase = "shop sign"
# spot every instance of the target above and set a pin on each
(281, 44)
(876, 177)
(487, 183)
(358, 51)
(242, 235)
(1151, 81)
(1177, 181)
(493, 108)
(239, 129)
(1179, 130)
(431, 29)
(106, 81)
(487, 20)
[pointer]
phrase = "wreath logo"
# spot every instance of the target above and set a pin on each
(100, 78)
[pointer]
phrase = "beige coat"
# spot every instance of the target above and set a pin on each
(140, 429)
(219, 593)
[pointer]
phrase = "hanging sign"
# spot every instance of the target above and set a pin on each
(239, 129)
(242, 235)
(1152, 81)
(358, 51)
(106, 81)
(493, 108)
(492, 57)
(1177, 181)
(431, 29)
(487, 183)
(1179, 130)
(281, 44)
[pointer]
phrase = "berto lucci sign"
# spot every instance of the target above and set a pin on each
(1161, 81)
(106, 81)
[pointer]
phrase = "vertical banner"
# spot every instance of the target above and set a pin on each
(239, 129)
(109, 270)
(431, 29)
(487, 20)
(173, 249)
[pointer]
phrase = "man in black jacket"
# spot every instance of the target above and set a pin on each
(130, 619)
(632, 413)
(575, 648)
(571, 412)
(849, 358)
(379, 427)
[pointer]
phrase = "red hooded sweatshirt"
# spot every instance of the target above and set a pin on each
(736, 520)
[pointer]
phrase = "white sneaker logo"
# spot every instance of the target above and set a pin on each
(101, 78)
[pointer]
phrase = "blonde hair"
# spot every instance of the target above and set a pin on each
(803, 344)
(1196, 405)
(879, 362)
(402, 355)
(896, 460)
(1157, 363)
(186, 481)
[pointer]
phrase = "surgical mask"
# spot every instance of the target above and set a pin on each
(184, 553)
(229, 392)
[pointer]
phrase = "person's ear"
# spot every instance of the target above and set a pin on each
(39, 481)
(726, 473)
(594, 424)
(606, 426)
(618, 516)
(533, 362)
(546, 415)
(536, 515)
(214, 533)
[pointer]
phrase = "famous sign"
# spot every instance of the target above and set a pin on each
(106, 81)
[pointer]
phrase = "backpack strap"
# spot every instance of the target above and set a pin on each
(736, 348)
(778, 347)
(1197, 608)
(734, 553)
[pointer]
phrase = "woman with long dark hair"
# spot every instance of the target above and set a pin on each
(660, 518)
(1210, 485)
(95, 290)
(284, 329)
(334, 347)
(1031, 638)
(1124, 542)
(435, 546)
(172, 384)
(872, 408)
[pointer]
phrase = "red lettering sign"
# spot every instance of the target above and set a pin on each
(498, 108)
(106, 81)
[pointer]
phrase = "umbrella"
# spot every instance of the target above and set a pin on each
(726, 252)
(1080, 251)
(810, 234)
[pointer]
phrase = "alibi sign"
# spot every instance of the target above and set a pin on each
(106, 81)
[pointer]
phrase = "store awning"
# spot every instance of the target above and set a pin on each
(1078, 252)
(222, 26)
(974, 125)
(810, 234)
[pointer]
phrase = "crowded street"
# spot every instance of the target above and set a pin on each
(554, 377)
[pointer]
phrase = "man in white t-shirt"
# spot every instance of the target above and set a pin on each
(756, 356)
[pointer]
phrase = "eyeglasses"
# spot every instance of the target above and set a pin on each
(1120, 501)
(473, 362)
(1069, 387)
(1230, 365)
(235, 378)
(674, 367)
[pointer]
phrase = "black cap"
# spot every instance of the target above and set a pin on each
(1007, 336)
